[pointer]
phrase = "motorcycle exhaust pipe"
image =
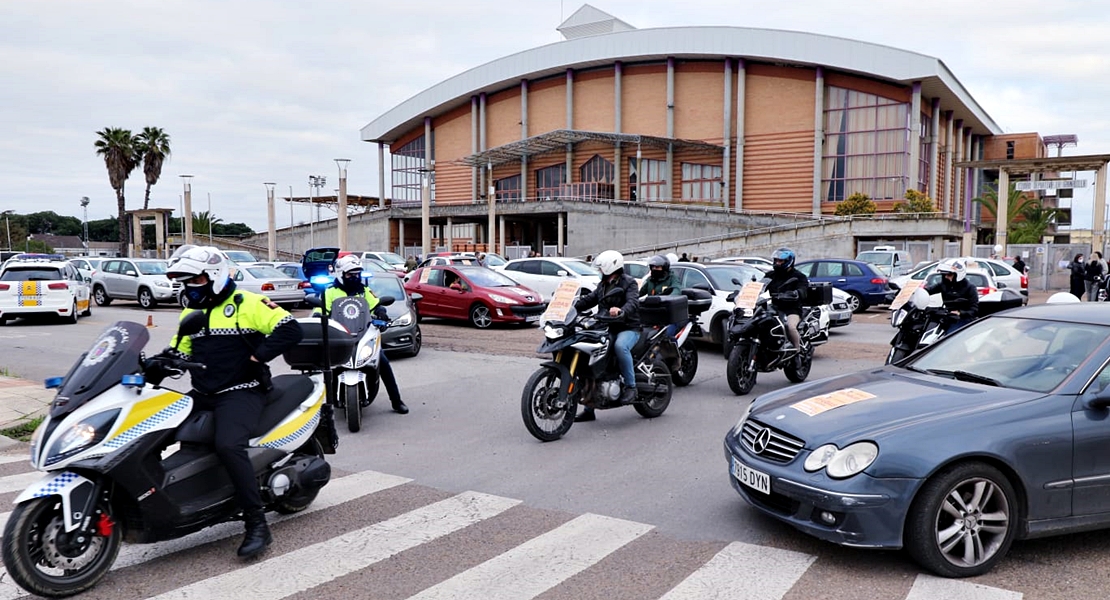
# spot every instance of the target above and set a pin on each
(315, 474)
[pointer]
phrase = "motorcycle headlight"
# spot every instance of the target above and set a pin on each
(365, 353)
(405, 319)
(840, 464)
(82, 435)
(498, 298)
(897, 317)
(36, 437)
(552, 332)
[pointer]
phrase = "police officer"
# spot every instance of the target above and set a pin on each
(625, 302)
(348, 282)
(243, 332)
(788, 288)
(959, 296)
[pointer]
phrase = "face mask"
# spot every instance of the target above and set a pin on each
(199, 295)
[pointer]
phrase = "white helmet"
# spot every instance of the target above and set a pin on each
(672, 257)
(200, 259)
(953, 265)
(609, 261)
(348, 263)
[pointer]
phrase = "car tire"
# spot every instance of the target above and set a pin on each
(146, 299)
(72, 317)
(417, 342)
(100, 295)
(88, 310)
(480, 316)
(987, 502)
(856, 302)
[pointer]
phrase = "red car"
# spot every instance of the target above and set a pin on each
(480, 295)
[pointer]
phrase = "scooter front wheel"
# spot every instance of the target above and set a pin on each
(45, 560)
(354, 407)
(546, 417)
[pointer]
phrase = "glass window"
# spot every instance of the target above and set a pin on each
(31, 274)
(654, 180)
(549, 268)
(152, 268)
(549, 179)
(830, 269)
(112, 266)
(387, 286)
(483, 277)
(866, 146)
(408, 171)
(507, 188)
(435, 277)
(597, 169)
(854, 270)
(806, 269)
(701, 182)
(128, 268)
(693, 277)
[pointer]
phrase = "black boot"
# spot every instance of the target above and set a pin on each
(628, 395)
(399, 407)
(258, 534)
(587, 414)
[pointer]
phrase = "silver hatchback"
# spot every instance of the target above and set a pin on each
(140, 279)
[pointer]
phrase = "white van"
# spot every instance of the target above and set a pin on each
(891, 262)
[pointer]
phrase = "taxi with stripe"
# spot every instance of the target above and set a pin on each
(47, 284)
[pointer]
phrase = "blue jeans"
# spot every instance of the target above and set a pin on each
(625, 341)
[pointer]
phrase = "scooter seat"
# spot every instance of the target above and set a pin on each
(288, 392)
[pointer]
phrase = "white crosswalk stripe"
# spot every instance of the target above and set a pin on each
(928, 587)
(730, 573)
(19, 482)
(541, 563)
(320, 563)
(7, 459)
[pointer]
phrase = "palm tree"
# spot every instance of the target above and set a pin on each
(1036, 218)
(118, 149)
(1015, 204)
(153, 145)
(203, 223)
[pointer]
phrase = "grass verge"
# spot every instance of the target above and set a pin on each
(23, 431)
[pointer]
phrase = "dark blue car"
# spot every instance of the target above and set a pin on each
(863, 282)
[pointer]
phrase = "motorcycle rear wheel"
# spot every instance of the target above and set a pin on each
(798, 368)
(688, 358)
(661, 398)
(354, 407)
(295, 504)
(35, 544)
(739, 370)
(544, 417)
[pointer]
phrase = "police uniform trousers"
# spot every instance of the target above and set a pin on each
(236, 413)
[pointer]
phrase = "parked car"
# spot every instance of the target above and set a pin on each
(293, 270)
(840, 311)
(272, 283)
(477, 294)
(545, 273)
(390, 258)
(141, 279)
(901, 456)
(861, 280)
(890, 262)
(1003, 273)
(86, 266)
(759, 262)
(43, 286)
(403, 337)
(637, 269)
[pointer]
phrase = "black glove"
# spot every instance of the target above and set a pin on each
(789, 296)
(160, 366)
(262, 374)
(380, 313)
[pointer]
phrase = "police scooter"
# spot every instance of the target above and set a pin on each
(357, 381)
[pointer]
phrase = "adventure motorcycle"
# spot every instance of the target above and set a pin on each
(756, 337)
(358, 380)
(583, 370)
(684, 364)
(113, 473)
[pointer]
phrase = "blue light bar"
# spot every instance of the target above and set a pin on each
(53, 382)
(135, 380)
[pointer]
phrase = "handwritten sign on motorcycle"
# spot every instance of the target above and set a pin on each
(819, 404)
(905, 293)
(749, 294)
(561, 302)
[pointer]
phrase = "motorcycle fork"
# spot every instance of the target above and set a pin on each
(572, 368)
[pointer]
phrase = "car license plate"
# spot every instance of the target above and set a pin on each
(285, 286)
(30, 302)
(531, 318)
(748, 476)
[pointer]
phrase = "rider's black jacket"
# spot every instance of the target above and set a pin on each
(957, 290)
(626, 297)
(788, 290)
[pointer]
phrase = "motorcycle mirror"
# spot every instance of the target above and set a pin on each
(191, 324)
(313, 300)
(386, 300)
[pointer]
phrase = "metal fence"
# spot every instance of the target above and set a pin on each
(1047, 263)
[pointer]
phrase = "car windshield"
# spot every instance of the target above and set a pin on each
(152, 268)
(370, 264)
(722, 276)
(1028, 354)
(581, 267)
(390, 257)
(876, 258)
(263, 272)
(239, 256)
(387, 286)
(31, 274)
(492, 260)
(483, 277)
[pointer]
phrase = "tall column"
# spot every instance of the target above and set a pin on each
(426, 191)
(271, 238)
(948, 163)
(570, 125)
(618, 167)
(818, 137)
(482, 183)
(976, 174)
(475, 170)
(726, 159)
(381, 174)
(341, 221)
(1098, 222)
(187, 218)
(401, 236)
(741, 91)
(561, 242)
(966, 147)
(491, 224)
(523, 136)
(958, 148)
(1002, 216)
(668, 186)
(934, 151)
(450, 235)
(501, 237)
(136, 249)
(913, 173)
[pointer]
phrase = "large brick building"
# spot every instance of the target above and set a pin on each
(736, 119)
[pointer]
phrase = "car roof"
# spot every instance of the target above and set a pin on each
(1092, 313)
(34, 262)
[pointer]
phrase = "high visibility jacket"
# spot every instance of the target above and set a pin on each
(335, 292)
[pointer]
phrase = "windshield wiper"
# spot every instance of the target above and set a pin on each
(976, 378)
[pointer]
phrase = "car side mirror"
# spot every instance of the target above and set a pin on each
(1101, 401)
(416, 297)
(562, 273)
(87, 279)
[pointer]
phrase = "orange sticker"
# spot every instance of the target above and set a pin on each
(904, 295)
(819, 404)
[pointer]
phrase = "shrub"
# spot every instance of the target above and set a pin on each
(916, 202)
(856, 204)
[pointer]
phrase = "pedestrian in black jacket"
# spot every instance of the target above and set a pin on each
(1078, 274)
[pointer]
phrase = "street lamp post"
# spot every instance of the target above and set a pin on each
(187, 218)
(271, 241)
(292, 250)
(8, 227)
(85, 223)
(342, 220)
(316, 182)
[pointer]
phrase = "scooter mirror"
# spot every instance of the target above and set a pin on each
(191, 324)
(313, 300)
(386, 300)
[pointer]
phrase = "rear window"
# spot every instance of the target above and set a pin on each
(31, 274)
(876, 258)
(266, 273)
(152, 268)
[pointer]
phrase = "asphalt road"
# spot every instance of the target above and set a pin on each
(465, 434)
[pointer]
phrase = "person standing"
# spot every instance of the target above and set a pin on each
(1019, 265)
(1078, 272)
(1092, 278)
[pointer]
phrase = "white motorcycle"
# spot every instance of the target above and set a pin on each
(127, 459)
(357, 379)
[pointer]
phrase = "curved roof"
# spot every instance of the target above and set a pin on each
(841, 54)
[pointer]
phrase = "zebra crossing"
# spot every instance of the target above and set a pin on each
(203, 566)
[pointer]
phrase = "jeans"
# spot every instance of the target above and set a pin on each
(1092, 290)
(625, 341)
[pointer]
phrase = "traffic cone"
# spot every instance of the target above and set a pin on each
(150, 321)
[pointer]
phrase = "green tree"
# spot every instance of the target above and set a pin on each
(232, 229)
(52, 222)
(1035, 220)
(117, 147)
(153, 146)
(203, 222)
(37, 246)
(1015, 203)
(916, 202)
(856, 204)
(104, 230)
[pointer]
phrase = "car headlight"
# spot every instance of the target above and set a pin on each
(498, 298)
(163, 284)
(842, 463)
(405, 319)
(82, 435)
(735, 431)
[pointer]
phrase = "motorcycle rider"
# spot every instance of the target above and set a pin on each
(661, 282)
(788, 288)
(954, 286)
(616, 295)
(349, 283)
(243, 332)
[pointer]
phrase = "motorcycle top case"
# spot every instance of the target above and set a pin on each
(819, 293)
(664, 310)
(308, 354)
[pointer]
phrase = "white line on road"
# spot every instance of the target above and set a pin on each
(541, 563)
(19, 482)
(307, 567)
(744, 572)
(928, 587)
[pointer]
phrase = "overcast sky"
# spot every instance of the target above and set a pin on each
(253, 91)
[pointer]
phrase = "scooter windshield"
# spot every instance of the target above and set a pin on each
(114, 354)
(353, 313)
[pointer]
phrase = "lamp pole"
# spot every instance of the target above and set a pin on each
(342, 221)
(85, 223)
(187, 218)
(210, 219)
(271, 241)
(316, 182)
(292, 250)
(8, 227)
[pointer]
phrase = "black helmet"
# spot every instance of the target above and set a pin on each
(660, 267)
(783, 259)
